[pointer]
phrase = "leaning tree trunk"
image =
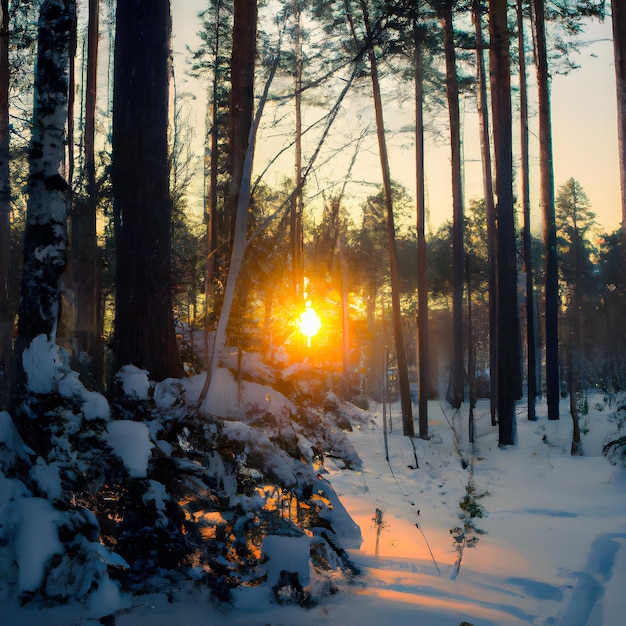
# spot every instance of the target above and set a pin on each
(87, 345)
(5, 195)
(618, 10)
(525, 178)
(547, 203)
(422, 275)
(508, 341)
(45, 235)
(408, 427)
(485, 147)
(144, 327)
(456, 393)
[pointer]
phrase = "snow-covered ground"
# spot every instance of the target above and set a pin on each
(550, 547)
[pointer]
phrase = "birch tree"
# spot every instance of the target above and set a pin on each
(45, 237)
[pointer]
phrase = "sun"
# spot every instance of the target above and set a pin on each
(309, 322)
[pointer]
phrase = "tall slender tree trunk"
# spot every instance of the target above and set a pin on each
(295, 221)
(422, 275)
(485, 147)
(508, 340)
(239, 244)
(618, 10)
(45, 236)
(211, 162)
(408, 427)
(456, 393)
(548, 209)
(241, 95)
(531, 341)
(5, 197)
(144, 326)
(88, 323)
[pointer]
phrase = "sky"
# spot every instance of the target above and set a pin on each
(584, 121)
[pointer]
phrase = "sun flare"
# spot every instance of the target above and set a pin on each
(309, 322)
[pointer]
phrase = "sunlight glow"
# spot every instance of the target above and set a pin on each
(309, 322)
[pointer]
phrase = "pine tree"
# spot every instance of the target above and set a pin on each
(144, 328)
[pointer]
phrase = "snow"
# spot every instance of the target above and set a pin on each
(134, 381)
(550, 548)
(36, 541)
(131, 442)
(289, 554)
(47, 370)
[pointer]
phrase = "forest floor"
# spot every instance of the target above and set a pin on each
(478, 535)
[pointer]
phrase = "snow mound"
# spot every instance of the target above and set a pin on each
(134, 381)
(36, 542)
(47, 371)
(131, 442)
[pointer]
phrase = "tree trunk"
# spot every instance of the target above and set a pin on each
(5, 197)
(241, 95)
(400, 347)
(508, 341)
(456, 393)
(525, 178)
(422, 274)
(618, 10)
(212, 162)
(485, 146)
(239, 244)
(144, 328)
(295, 221)
(45, 236)
(87, 332)
(548, 210)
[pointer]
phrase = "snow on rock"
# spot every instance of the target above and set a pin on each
(36, 541)
(131, 442)
(134, 381)
(250, 365)
(167, 393)
(286, 554)
(230, 399)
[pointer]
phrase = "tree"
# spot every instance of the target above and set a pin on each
(45, 237)
(485, 146)
(419, 33)
(144, 328)
(241, 95)
(619, 44)
(87, 345)
(526, 236)
(574, 219)
(5, 191)
(456, 391)
(546, 183)
(408, 427)
(507, 332)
